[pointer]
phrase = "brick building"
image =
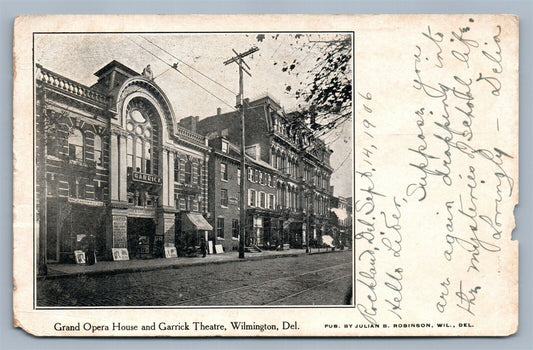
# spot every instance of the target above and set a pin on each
(262, 218)
(114, 165)
(298, 163)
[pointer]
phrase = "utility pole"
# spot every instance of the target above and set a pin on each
(308, 224)
(238, 58)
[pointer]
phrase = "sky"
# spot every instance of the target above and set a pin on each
(204, 83)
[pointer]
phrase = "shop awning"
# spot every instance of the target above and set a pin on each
(195, 221)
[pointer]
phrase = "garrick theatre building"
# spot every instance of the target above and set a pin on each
(288, 176)
(113, 165)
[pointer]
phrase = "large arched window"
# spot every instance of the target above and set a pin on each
(76, 145)
(140, 141)
(98, 150)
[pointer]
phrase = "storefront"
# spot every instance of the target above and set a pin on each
(193, 229)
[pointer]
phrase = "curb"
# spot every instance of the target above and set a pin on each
(176, 266)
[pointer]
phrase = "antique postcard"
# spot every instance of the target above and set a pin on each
(265, 175)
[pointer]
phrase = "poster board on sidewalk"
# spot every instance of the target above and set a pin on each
(79, 255)
(120, 254)
(219, 249)
(171, 252)
(423, 169)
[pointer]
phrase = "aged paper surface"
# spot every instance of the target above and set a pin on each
(421, 238)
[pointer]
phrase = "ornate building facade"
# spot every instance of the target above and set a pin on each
(113, 165)
(298, 162)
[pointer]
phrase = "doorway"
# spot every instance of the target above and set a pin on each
(141, 234)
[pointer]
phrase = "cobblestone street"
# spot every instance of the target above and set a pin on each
(318, 279)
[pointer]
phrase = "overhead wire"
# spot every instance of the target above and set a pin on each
(188, 65)
(177, 70)
(316, 133)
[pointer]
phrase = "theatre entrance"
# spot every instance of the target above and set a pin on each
(142, 240)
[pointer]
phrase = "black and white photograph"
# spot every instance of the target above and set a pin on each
(266, 175)
(193, 169)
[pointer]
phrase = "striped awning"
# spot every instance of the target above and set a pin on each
(195, 221)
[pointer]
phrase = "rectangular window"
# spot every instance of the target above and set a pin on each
(147, 158)
(271, 201)
(250, 174)
(261, 178)
(238, 176)
(97, 150)
(98, 191)
(196, 178)
(224, 147)
(129, 152)
(262, 200)
(224, 197)
(75, 152)
(220, 227)
(223, 171)
(251, 196)
(73, 188)
(81, 190)
(51, 144)
(235, 228)
(98, 157)
(199, 173)
(188, 172)
(176, 169)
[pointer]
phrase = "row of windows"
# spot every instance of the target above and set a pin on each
(316, 177)
(298, 136)
(79, 189)
(234, 228)
(261, 200)
(254, 175)
(260, 177)
(286, 165)
(188, 172)
(188, 203)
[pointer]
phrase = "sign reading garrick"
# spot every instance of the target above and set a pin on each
(146, 178)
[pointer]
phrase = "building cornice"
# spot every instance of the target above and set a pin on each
(70, 87)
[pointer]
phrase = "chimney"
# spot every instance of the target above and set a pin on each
(219, 111)
(189, 123)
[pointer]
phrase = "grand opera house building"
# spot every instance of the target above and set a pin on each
(114, 169)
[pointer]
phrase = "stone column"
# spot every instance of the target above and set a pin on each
(163, 198)
(113, 168)
(170, 177)
(165, 227)
(122, 171)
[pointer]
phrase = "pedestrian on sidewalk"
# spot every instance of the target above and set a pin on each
(203, 247)
(90, 252)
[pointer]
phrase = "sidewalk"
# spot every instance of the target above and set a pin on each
(114, 267)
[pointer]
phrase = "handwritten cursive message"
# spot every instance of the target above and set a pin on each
(434, 181)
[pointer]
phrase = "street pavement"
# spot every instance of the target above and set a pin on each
(316, 279)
